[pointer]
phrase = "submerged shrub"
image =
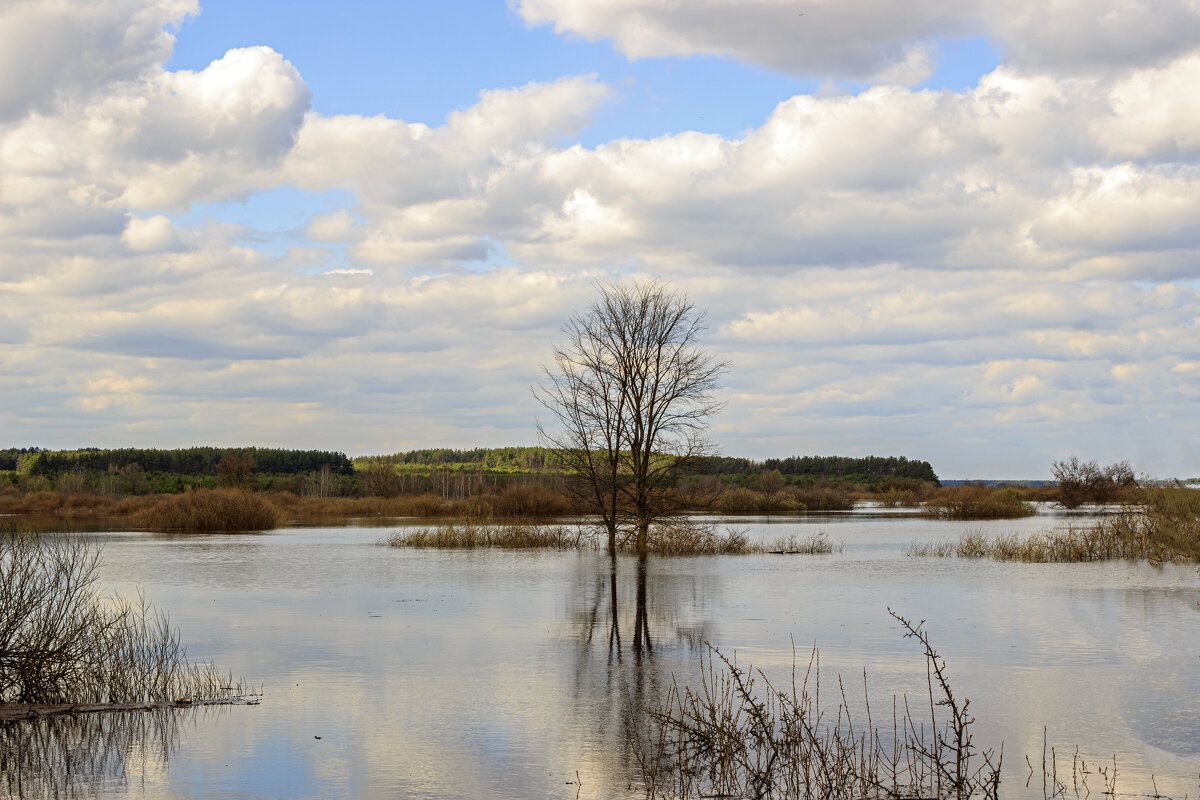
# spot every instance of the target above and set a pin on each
(978, 502)
(738, 734)
(211, 510)
(63, 641)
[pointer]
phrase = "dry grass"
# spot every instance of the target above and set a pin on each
(1101, 542)
(471, 536)
(63, 641)
(211, 510)
(1166, 527)
(740, 735)
(978, 502)
(688, 538)
(72, 505)
(815, 544)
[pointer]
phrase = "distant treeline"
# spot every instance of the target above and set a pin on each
(520, 459)
(447, 472)
(797, 469)
(186, 461)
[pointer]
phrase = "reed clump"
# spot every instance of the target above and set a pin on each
(1101, 542)
(470, 536)
(688, 538)
(62, 640)
(1165, 527)
(818, 543)
(740, 735)
(226, 510)
(978, 502)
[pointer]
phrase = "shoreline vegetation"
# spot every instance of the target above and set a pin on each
(1163, 526)
(67, 646)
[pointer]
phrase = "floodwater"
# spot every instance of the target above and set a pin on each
(395, 673)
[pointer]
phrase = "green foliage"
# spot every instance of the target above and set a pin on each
(187, 461)
(840, 466)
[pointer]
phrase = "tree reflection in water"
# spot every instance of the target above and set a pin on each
(639, 622)
(85, 755)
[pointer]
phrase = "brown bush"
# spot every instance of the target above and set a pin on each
(978, 502)
(529, 500)
(823, 498)
(211, 510)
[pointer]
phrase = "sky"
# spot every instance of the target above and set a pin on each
(963, 232)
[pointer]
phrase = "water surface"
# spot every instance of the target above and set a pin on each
(432, 674)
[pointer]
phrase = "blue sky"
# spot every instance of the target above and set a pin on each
(955, 232)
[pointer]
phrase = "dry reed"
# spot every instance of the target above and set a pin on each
(818, 543)
(472, 536)
(1165, 528)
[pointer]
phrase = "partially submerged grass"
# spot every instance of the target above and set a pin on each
(211, 510)
(1165, 528)
(818, 543)
(63, 641)
(686, 538)
(740, 735)
(468, 536)
(1096, 543)
(978, 502)
(676, 538)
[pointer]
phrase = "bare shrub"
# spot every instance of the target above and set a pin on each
(63, 640)
(1082, 482)
(211, 510)
(739, 735)
(524, 500)
(818, 543)
(379, 480)
(822, 498)
(978, 502)
(738, 500)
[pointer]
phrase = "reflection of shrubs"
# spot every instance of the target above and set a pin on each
(211, 510)
(978, 502)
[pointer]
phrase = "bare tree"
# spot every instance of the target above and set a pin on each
(631, 391)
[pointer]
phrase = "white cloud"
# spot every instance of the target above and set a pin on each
(859, 39)
(149, 235)
(881, 268)
(64, 52)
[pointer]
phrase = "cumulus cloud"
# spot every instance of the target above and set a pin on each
(1008, 263)
(150, 234)
(66, 52)
(865, 38)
